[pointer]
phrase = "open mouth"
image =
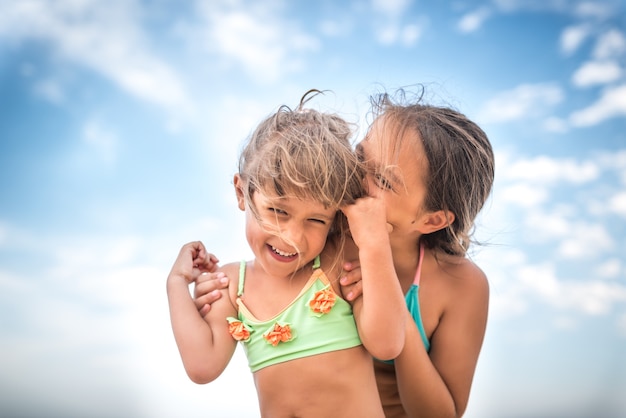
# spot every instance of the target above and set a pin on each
(282, 253)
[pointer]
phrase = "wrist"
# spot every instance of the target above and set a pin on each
(376, 244)
(177, 280)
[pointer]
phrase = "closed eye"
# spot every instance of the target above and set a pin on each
(382, 182)
(277, 211)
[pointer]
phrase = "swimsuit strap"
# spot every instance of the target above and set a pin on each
(317, 263)
(242, 277)
(418, 273)
(242, 273)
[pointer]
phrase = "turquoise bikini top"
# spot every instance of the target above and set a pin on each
(413, 303)
(317, 321)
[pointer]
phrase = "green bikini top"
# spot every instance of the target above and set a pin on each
(317, 321)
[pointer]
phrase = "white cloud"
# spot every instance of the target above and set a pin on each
(335, 28)
(523, 101)
(105, 37)
(617, 204)
(50, 90)
(524, 195)
(254, 37)
(391, 33)
(610, 44)
(597, 72)
(98, 307)
(411, 34)
(615, 160)
(473, 21)
(572, 37)
(389, 28)
(104, 143)
(621, 325)
(610, 268)
(596, 297)
(592, 297)
(391, 8)
(565, 323)
(548, 225)
(544, 170)
(593, 9)
(611, 104)
(556, 125)
(585, 240)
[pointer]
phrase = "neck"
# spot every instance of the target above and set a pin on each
(405, 260)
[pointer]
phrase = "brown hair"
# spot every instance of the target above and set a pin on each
(460, 163)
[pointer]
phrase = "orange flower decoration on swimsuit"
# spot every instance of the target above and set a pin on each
(323, 301)
(278, 334)
(238, 329)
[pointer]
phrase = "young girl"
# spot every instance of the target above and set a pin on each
(431, 169)
(302, 341)
(435, 169)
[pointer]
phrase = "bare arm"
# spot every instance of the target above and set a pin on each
(438, 383)
(379, 312)
(204, 344)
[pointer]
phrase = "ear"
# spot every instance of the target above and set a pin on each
(239, 185)
(435, 221)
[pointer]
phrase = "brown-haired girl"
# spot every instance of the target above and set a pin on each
(432, 169)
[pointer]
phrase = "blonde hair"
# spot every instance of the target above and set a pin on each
(460, 164)
(306, 154)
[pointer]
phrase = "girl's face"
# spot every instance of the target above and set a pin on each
(290, 232)
(401, 185)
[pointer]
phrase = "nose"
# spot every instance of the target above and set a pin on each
(292, 234)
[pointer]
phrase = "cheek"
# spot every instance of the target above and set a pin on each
(317, 237)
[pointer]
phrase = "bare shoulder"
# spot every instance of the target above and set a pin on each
(466, 274)
(231, 270)
(466, 283)
(458, 283)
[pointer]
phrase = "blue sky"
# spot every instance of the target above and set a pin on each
(120, 123)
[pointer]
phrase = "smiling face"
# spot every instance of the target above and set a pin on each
(286, 233)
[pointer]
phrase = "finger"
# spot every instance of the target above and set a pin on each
(204, 310)
(207, 299)
(206, 283)
(351, 265)
(355, 291)
(348, 280)
(212, 281)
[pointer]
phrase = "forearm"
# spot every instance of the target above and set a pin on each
(194, 336)
(422, 389)
(382, 319)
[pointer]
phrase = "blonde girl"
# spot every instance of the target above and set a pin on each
(307, 349)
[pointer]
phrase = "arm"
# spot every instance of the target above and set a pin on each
(204, 344)
(438, 383)
(379, 312)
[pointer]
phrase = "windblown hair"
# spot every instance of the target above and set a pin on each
(460, 162)
(306, 154)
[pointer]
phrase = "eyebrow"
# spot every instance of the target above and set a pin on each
(280, 202)
(390, 175)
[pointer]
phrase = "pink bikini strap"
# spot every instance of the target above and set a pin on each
(418, 273)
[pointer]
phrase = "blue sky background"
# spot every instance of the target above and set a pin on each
(120, 124)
